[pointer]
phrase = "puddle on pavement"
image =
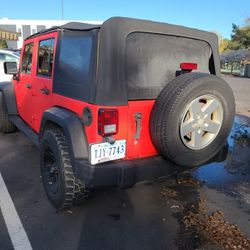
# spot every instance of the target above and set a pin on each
(200, 229)
(236, 168)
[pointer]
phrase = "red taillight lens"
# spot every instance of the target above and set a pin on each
(107, 122)
(188, 66)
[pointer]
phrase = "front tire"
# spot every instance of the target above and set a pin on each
(61, 186)
(6, 126)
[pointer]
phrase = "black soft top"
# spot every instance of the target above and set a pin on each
(68, 26)
(111, 69)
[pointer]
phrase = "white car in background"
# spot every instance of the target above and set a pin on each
(7, 56)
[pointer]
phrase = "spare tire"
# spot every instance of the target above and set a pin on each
(192, 118)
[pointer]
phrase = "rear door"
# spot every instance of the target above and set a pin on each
(43, 77)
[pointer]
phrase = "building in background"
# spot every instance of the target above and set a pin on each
(29, 27)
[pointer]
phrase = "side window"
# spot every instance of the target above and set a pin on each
(11, 58)
(45, 57)
(2, 57)
(8, 57)
(27, 59)
(75, 59)
(76, 65)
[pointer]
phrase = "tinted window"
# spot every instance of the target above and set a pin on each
(27, 59)
(74, 74)
(75, 59)
(152, 60)
(45, 57)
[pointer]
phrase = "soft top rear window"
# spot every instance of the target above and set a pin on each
(152, 60)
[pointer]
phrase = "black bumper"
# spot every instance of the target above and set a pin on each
(124, 174)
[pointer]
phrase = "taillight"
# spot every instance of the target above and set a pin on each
(188, 66)
(107, 122)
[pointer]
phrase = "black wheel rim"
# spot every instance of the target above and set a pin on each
(50, 171)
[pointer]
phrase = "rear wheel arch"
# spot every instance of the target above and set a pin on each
(72, 127)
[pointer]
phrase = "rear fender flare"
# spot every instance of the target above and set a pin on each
(72, 127)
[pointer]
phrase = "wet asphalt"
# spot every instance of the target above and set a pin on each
(137, 218)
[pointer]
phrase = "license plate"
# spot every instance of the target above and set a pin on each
(102, 152)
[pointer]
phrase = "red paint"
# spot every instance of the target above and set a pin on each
(142, 147)
(127, 125)
(23, 94)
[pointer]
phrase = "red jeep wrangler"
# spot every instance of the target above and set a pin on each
(110, 104)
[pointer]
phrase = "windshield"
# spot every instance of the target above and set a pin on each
(9, 57)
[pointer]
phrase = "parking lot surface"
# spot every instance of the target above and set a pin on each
(153, 215)
(241, 89)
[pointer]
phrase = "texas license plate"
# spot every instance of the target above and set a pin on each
(102, 152)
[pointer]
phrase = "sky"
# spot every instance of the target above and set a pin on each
(210, 15)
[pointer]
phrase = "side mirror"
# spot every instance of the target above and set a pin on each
(10, 68)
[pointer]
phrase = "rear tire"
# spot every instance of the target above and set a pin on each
(171, 113)
(61, 186)
(6, 126)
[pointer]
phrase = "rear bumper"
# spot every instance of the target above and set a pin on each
(125, 174)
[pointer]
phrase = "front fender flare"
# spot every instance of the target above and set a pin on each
(9, 97)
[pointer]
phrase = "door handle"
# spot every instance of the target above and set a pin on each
(28, 85)
(45, 91)
(138, 118)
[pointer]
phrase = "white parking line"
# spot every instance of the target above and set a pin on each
(14, 225)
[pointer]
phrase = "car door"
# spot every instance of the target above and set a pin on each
(43, 79)
(23, 86)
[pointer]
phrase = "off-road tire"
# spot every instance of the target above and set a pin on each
(168, 110)
(6, 126)
(69, 190)
(81, 193)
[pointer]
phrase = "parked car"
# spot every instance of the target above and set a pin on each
(7, 56)
(114, 104)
